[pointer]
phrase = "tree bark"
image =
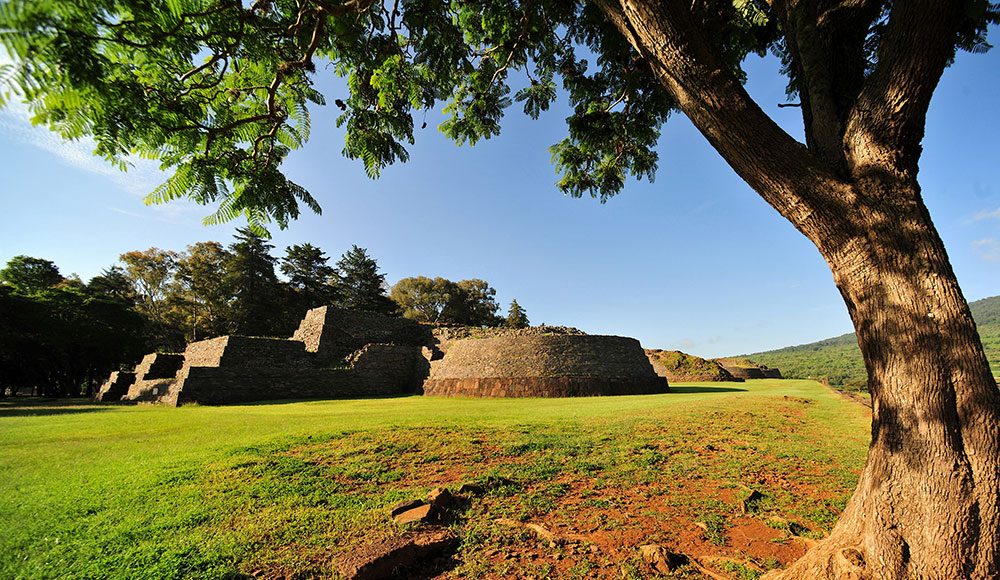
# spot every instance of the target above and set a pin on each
(928, 501)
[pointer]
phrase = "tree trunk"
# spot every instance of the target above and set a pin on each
(928, 501)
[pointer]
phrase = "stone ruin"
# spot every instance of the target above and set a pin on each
(539, 362)
(677, 366)
(743, 368)
(335, 353)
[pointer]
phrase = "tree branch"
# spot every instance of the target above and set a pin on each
(886, 124)
(826, 43)
(779, 168)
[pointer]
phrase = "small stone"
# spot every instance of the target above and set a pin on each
(662, 560)
(471, 489)
(541, 532)
(440, 497)
(418, 514)
(405, 506)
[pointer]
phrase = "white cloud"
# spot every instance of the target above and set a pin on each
(987, 214)
(142, 177)
(143, 174)
(989, 249)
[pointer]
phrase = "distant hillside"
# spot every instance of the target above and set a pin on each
(839, 359)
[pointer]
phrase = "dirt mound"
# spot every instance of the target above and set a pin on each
(675, 365)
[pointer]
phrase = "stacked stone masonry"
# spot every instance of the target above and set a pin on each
(328, 358)
(115, 387)
(547, 365)
(344, 354)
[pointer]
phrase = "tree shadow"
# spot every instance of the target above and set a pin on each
(37, 407)
(693, 389)
(306, 400)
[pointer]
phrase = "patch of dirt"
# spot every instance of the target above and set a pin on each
(752, 536)
(594, 524)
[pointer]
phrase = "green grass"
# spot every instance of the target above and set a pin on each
(91, 491)
(839, 361)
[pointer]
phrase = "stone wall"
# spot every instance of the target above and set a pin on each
(745, 372)
(247, 352)
(377, 370)
(334, 333)
(238, 369)
(115, 387)
(334, 354)
(153, 376)
(546, 365)
(158, 365)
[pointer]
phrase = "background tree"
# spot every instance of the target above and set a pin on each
(30, 275)
(424, 299)
(64, 341)
(360, 285)
(204, 291)
(476, 303)
(309, 275)
(151, 272)
(257, 294)
(471, 302)
(113, 283)
(231, 81)
(516, 316)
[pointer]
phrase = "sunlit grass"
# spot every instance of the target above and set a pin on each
(152, 492)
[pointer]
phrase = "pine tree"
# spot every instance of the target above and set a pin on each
(516, 316)
(309, 275)
(360, 286)
(256, 307)
(113, 282)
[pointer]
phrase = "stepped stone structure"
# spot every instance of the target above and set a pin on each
(536, 364)
(743, 368)
(115, 387)
(745, 372)
(335, 353)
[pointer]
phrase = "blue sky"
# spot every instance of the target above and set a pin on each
(695, 261)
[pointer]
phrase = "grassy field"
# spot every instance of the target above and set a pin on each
(283, 490)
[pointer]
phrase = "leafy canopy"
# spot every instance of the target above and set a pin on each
(219, 90)
(470, 302)
(30, 275)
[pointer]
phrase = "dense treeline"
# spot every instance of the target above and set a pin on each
(60, 336)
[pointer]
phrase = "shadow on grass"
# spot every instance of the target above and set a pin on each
(308, 400)
(41, 407)
(693, 389)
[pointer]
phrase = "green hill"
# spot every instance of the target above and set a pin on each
(839, 359)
